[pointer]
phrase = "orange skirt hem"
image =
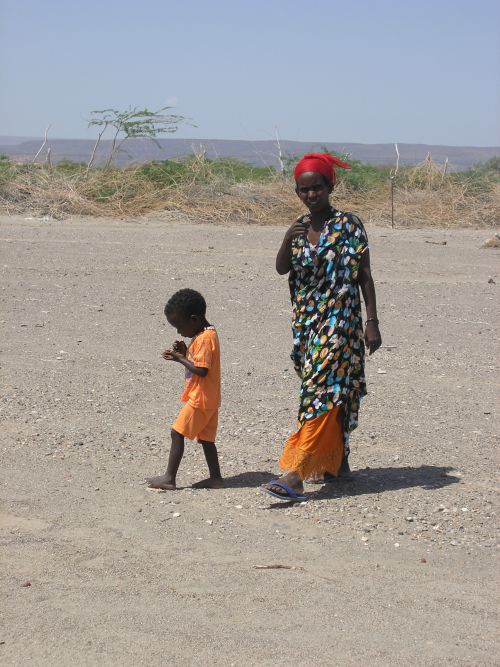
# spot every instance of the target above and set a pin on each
(317, 447)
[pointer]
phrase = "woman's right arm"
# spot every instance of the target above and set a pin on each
(284, 256)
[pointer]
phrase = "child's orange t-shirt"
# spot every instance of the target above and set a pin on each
(204, 351)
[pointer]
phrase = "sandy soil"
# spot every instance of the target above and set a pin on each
(395, 568)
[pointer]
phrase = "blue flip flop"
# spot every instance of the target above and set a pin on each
(290, 497)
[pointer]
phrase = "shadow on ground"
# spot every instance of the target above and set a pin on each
(376, 480)
(249, 479)
(379, 480)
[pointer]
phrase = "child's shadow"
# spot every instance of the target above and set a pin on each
(378, 480)
(248, 479)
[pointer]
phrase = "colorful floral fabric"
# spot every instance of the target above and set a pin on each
(328, 349)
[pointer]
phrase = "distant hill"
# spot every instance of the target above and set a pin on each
(12, 141)
(261, 153)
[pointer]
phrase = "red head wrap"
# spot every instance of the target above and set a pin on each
(321, 163)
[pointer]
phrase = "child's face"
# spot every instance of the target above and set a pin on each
(314, 191)
(186, 326)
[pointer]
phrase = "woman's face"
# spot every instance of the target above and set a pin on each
(314, 191)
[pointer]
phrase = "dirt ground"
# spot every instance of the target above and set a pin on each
(394, 568)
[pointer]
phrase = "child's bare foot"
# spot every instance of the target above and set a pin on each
(161, 482)
(210, 483)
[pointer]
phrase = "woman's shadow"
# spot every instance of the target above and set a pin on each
(378, 480)
(364, 481)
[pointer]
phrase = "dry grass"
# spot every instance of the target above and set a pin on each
(126, 192)
(423, 196)
(448, 206)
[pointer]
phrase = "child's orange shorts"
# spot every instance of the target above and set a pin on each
(197, 423)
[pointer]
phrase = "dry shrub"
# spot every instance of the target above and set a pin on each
(423, 196)
(261, 203)
(449, 206)
(427, 196)
(57, 193)
(127, 192)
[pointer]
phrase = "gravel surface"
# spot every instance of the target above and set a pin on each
(394, 568)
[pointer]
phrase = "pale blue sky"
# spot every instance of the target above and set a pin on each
(319, 70)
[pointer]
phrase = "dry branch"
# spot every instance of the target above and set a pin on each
(43, 145)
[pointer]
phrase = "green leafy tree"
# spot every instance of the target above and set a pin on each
(131, 123)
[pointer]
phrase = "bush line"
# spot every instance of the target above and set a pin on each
(229, 190)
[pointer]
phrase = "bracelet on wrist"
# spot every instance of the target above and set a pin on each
(371, 319)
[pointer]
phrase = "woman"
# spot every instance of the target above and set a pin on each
(327, 258)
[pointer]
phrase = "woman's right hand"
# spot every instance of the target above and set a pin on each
(299, 228)
(283, 261)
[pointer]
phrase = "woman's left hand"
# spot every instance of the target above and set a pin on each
(373, 339)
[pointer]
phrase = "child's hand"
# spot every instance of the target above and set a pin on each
(178, 351)
(180, 347)
(171, 355)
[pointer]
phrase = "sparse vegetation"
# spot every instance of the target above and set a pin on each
(229, 190)
(199, 170)
(131, 123)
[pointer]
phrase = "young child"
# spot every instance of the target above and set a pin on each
(185, 311)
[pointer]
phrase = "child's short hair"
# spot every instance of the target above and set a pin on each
(187, 302)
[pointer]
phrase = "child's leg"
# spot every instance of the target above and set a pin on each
(215, 480)
(167, 481)
(206, 438)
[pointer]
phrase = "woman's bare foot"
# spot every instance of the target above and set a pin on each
(317, 478)
(344, 475)
(161, 482)
(210, 483)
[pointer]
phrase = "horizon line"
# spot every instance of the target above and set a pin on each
(295, 141)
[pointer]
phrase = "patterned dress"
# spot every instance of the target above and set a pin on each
(328, 348)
